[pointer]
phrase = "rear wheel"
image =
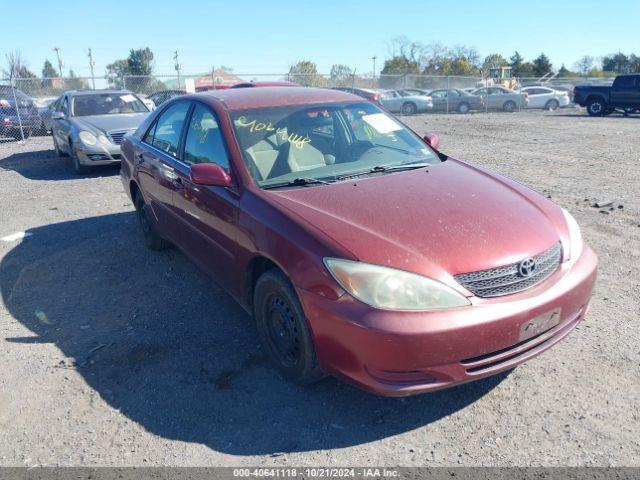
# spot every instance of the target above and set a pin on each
(463, 108)
(409, 108)
(552, 105)
(596, 107)
(283, 329)
(152, 239)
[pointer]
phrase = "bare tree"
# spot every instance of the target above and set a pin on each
(584, 64)
(16, 66)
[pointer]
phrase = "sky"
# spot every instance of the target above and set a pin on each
(260, 37)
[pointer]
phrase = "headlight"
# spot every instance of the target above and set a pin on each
(88, 138)
(104, 140)
(575, 237)
(391, 289)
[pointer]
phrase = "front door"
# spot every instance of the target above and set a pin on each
(208, 214)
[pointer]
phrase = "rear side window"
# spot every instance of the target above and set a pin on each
(204, 142)
(625, 82)
(165, 134)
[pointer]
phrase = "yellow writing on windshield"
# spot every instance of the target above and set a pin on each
(296, 140)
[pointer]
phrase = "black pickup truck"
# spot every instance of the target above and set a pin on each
(624, 94)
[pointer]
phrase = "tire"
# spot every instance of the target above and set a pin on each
(283, 329)
(59, 153)
(17, 135)
(552, 105)
(78, 168)
(409, 108)
(629, 110)
(463, 108)
(596, 107)
(509, 106)
(152, 239)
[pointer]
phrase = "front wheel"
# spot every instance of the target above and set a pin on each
(78, 168)
(629, 110)
(283, 330)
(463, 108)
(509, 106)
(552, 105)
(596, 107)
(409, 108)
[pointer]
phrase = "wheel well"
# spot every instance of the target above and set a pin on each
(256, 268)
(595, 97)
(134, 190)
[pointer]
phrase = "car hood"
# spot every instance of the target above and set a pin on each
(107, 123)
(450, 218)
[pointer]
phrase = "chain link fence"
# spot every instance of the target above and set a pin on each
(26, 104)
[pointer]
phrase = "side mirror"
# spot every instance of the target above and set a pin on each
(209, 174)
(57, 116)
(432, 140)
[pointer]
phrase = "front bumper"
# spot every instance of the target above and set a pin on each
(401, 353)
(98, 154)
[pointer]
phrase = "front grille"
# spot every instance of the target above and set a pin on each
(118, 135)
(506, 280)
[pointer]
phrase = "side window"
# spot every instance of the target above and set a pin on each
(64, 106)
(624, 82)
(166, 133)
(204, 142)
(453, 93)
(438, 94)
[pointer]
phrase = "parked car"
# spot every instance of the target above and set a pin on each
(502, 98)
(265, 84)
(18, 114)
(404, 103)
(43, 104)
(360, 249)
(455, 100)
(546, 98)
(89, 125)
(158, 98)
(624, 94)
(367, 93)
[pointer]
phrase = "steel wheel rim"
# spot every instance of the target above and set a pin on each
(282, 331)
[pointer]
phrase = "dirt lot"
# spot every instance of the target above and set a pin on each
(115, 355)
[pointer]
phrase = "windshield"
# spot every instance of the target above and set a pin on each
(106, 104)
(324, 142)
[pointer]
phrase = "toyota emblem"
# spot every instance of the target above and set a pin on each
(526, 267)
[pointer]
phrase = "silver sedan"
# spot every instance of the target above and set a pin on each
(395, 101)
(501, 98)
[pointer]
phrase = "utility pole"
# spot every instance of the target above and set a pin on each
(374, 65)
(57, 50)
(178, 67)
(92, 63)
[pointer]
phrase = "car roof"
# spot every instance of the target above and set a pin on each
(247, 98)
(96, 92)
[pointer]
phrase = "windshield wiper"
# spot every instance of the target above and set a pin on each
(385, 168)
(297, 182)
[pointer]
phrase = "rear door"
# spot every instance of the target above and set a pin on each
(439, 98)
(208, 214)
(155, 161)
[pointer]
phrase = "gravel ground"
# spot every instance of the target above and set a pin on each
(115, 355)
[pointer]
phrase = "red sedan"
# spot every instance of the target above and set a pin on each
(361, 250)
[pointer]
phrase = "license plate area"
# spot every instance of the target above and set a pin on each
(539, 324)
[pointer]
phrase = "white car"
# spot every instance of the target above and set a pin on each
(547, 98)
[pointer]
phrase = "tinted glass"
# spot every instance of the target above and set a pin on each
(204, 141)
(280, 144)
(625, 82)
(166, 133)
(106, 104)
